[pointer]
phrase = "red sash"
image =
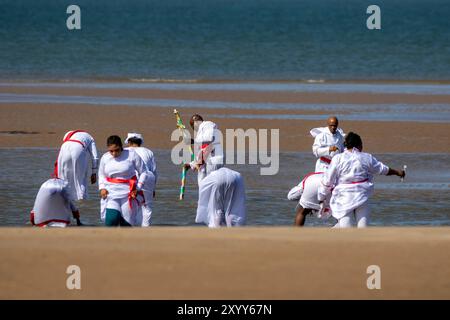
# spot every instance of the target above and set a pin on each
(355, 182)
(133, 183)
(325, 160)
(43, 224)
(67, 139)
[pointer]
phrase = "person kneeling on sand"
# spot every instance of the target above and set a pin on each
(54, 206)
(349, 180)
(308, 203)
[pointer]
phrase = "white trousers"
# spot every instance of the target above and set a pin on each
(360, 214)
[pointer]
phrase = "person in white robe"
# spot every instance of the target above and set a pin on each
(221, 199)
(53, 206)
(349, 180)
(72, 163)
(207, 147)
(328, 142)
(120, 189)
(306, 195)
(135, 141)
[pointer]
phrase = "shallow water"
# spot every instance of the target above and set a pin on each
(423, 199)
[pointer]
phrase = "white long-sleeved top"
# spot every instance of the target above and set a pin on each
(306, 191)
(349, 179)
(148, 158)
(321, 147)
(89, 145)
(124, 166)
(208, 134)
(53, 202)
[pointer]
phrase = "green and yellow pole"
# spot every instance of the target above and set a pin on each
(182, 129)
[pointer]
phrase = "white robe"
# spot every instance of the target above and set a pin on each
(322, 143)
(306, 192)
(53, 203)
(145, 213)
(208, 133)
(222, 199)
(124, 166)
(349, 179)
(73, 163)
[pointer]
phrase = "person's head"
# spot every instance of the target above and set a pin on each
(195, 119)
(333, 124)
(353, 140)
(134, 139)
(114, 144)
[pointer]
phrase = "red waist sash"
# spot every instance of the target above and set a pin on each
(325, 160)
(133, 184)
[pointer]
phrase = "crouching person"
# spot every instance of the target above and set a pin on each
(53, 206)
(306, 193)
(221, 199)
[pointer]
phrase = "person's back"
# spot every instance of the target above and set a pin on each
(53, 204)
(72, 162)
(349, 180)
(222, 199)
(208, 137)
(306, 191)
(148, 158)
(356, 166)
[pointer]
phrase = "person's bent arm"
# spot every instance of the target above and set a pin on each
(393, 172)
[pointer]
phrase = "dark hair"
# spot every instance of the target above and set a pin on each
(197, 117)
(352, 140)
(114, 140)
(135, 141)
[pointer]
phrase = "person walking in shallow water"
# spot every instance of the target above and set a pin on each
(120, 189)
(135, 141)
(349, 180)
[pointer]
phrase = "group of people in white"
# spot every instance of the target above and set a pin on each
(127, 180)
(340, 185)
(342, 181)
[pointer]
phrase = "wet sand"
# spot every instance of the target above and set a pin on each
(246, 263)
(50, 122)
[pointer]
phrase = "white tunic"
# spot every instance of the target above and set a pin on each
(349, 179)
(208, 134)
(146, 155)
(125, 167)
(306, 192)
(222, 199)
(73, 162)
(53, 203)
(322, 143)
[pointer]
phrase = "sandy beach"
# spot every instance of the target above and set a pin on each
(246, 263)
(47, 123)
